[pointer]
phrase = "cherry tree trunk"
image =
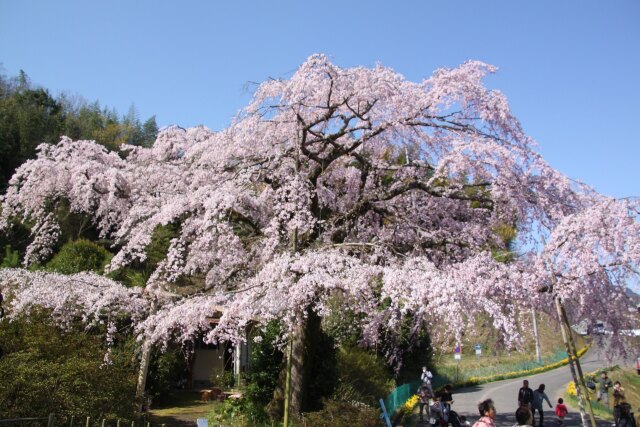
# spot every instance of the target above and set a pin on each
(142, 377)
(303, 343)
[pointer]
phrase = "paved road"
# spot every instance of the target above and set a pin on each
(504, 393)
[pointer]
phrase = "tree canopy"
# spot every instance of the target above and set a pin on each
(352, 184)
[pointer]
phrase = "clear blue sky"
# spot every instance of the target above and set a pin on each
(570, 69)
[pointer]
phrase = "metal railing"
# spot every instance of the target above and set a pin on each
(22, 422)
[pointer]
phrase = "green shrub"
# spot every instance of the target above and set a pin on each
(225, 379)
(362, 377)
(80, 255)
(45, 370)
(239, 412)
(341, 414)
(264, 369)
(165, 369)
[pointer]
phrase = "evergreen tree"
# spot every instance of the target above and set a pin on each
(28, 117)
(149, 131)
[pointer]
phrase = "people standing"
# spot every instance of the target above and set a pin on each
(561, 411)
(424, 396)
(487, 414)
(539, 396)
(525, 395)
(438, 412)
(446, 397)
(627, 419)
(604, 384)
(618, 400)
(426, 377)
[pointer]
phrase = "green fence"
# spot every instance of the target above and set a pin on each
(400, 395)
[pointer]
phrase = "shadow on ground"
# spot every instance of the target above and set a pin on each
(509, 420)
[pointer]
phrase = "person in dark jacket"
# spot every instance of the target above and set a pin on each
(446, 397)
(627, 419)
(525, 395)
(604, 384)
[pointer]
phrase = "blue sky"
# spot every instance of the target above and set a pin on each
(570, 69)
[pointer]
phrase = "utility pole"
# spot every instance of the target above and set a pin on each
(536, 338)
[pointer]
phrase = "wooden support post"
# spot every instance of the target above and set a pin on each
(88, 422)
(237, 351)
(51, 420)
(71, 422)
(578, 379)
(574, 350)
(287, 383)
(565, 326)
(103, 421)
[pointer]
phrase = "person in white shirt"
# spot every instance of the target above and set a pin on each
(426, 378)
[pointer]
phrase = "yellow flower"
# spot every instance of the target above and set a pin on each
(408, 406)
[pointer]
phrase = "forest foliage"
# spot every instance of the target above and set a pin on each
(30, 115)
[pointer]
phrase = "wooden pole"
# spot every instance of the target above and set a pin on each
(574, 350)
(51, 420)
(583, 415)
(287, 383)
(578, 379)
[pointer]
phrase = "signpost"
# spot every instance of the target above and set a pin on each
(457, 355)
(478, 348)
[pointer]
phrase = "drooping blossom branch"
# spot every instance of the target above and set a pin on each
(395, 190)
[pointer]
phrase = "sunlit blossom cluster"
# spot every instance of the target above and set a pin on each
(347, 184)
(86, 297)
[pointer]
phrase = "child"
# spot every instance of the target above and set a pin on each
(561, 411)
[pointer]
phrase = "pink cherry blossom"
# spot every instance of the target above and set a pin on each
(393, 190)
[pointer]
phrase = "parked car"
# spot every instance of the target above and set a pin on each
(598, 328)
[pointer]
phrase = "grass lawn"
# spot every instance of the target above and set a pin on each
(182, 407)
(629, 379)
(496, 360)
